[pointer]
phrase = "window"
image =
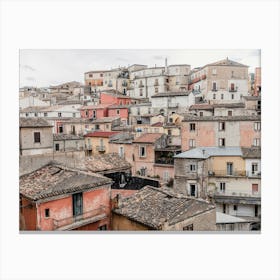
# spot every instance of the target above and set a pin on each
(188, 227)
(94, 114)
(149, 110)
(36, 114)
(232, 96)
(169, 132)
(222, 125)
(37, 137)
(192, 167)
(74, 115)
(192, 143)
(101, 75)
(121, 152)
(77, 200)
(214, 71)
(257, 142)
(138, 111)
(222, 142)
(156, 90)
(59, 114)
(222, 186)
(254, 168)
(57, 147)
(26, 114)
(107, 126)
(232, 87)
(193, 190)
(142, 151)
(60, 128)
(214, 86)
(224, 208)
(118, 111)
(143, 171)
(166, 176)
(167, 80)
(90, 75)
(235, 207)
(214, 96)
(192, 126)
(257, 126)
(255, 188)
(222, 96)
(47, 213)
(229, 168)
(97, 127)
(201, 114)
(141, 92)
(229, 113)
(45, 114)
(104, 227)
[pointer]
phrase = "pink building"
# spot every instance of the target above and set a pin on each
(58, 198)
(119, 111)
(94, 111)
(209, 131)
(118, 99)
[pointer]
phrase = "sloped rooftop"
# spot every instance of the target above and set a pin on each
(155, 207)
(33, 122)
(148, 138)
(53, 180)
(206, 152)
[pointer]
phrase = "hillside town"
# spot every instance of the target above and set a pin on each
(142, 148)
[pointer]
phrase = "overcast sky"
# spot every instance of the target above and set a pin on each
(42, 68)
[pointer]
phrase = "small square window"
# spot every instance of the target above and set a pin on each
(201, 114)
(235, 207)
(192, 126)
(59, 114)
(192, 167)
(230, 113)
(47, 213)
(188, 227)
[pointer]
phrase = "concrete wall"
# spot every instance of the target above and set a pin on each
(69, 145)
(27, 144)
(28, 164)
(122, 223)
(202, 222)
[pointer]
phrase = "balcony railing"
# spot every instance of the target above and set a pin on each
(173, 105)
(238, 173)
(88, 147)
(232, 89)
(237, 194)
(169, 161)
(100, 148)
(79, 220)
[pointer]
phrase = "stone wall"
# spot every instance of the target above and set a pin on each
(28, 164)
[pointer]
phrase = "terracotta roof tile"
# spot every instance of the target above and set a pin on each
(104, 134)
(148, 138)
(156, 207)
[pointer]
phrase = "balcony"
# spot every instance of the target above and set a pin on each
(100, 148)
(141, 86)
(88, 147)
(173, 105)
(232, 89)
(236, 194)
(81, 220)
(214, 89)
(168, 161)
(225, 173)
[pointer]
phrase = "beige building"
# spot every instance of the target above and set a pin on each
(35, 136)
(230, 176)
(221, 81)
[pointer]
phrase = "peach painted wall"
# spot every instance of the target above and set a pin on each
(100, 113)
(62, 208)
(123, 113)
(109, 99)
(159, 169)
(247, 134)
(204, 134)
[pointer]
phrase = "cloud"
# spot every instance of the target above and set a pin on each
(158, 57)
(30, 79)
(27, 67)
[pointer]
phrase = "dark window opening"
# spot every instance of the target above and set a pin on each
(37, 137)
(57, 147)
(47, 213)
(188, 227)
(77, 199)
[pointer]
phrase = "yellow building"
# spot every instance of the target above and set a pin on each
(97, 142)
